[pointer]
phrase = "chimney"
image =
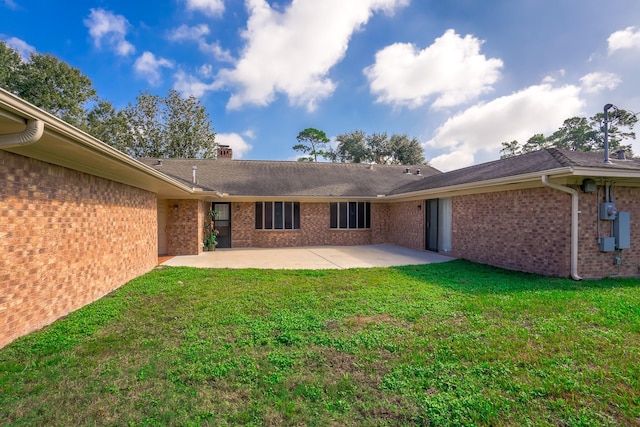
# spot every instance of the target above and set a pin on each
(224, 152)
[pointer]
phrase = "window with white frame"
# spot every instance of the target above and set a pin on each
(350, 215)
(277, 215)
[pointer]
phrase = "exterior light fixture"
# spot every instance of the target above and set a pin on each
(175, 208)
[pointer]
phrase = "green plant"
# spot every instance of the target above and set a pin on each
(210, 234)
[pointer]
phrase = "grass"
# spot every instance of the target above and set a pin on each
(443, 344)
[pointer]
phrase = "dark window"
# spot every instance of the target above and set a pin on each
(288, 215)
(361, 215)
(333, 215)
(296, 216)
(350, 215)
(342, 215)
(353, 215)
(277, 215)
(268, 216)
(259, 216)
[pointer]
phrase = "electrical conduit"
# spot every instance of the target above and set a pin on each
(574, 223)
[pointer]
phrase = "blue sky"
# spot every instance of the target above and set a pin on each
(460, 75)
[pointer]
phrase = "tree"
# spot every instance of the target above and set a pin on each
(580, 134)
(617, 118)
(54, 86)
(575, 134)
(405, 151)
(108, 125)
(351, 148)
(187, 128)
(9, 63)
(316, 140)
(168, 127)
(357, 147)
(152, 127)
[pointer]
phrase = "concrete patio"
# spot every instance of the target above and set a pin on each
(315, 257)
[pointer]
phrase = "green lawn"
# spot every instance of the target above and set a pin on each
(443, 344)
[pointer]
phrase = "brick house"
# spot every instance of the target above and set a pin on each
(78, 218)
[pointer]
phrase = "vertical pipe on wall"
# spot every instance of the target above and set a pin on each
(574, 223)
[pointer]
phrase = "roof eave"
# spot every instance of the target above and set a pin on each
(499, 184)
(85, 146)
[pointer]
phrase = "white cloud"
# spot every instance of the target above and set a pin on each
(213, 8)
(23, 48)
(189, 85)
(552, 78)
(222, 55)
(205, 71)
(451, 69)
(148, 67)
(185, 32)
(483, 127)
(239, 146)
(291, 51)
(11, 4)
(197, 34)
(249, 134)
(104, 25)
(599, 81)
(629, 38)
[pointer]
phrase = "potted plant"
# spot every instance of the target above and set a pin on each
(210, 235)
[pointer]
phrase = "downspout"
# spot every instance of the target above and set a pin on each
(574, 223)
(31, 134)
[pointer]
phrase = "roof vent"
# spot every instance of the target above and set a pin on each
(620, 154)
(418, 172)
(159, 163)
(370, 166)
(407, 170)
(193, 174)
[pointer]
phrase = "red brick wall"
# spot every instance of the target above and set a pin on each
(407, 224)
(66, 239)
(184, 227)
(593, 263)
(527, 230)
(314, 228)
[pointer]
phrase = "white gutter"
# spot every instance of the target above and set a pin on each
(574, 223)
(487, 184)
(18, 107)
(31, 134)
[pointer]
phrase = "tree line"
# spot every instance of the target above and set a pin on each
(153, 126)
(358, 147)
(581, 134)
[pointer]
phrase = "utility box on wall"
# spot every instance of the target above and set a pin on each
(622, 230)
(607, 211)
(607, 244)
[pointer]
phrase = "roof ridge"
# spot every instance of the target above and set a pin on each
(560, 156)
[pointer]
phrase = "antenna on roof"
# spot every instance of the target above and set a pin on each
(606, 132)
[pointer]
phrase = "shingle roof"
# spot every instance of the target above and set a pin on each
(537, 161)
(282, 178)
(302, 179)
